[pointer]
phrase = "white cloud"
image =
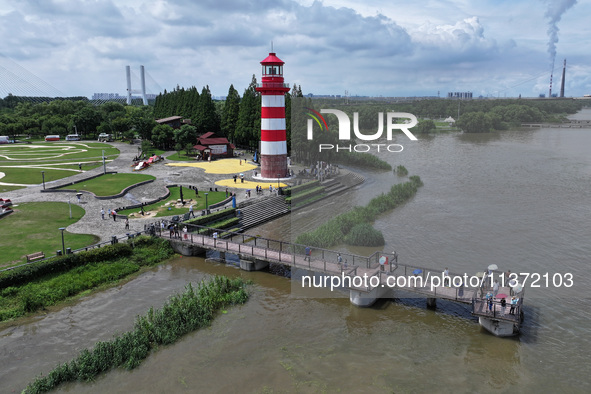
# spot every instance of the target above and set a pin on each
(374, 48)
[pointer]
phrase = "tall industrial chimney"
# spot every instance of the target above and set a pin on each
(562, 86)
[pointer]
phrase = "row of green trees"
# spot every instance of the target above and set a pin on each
(64, 117)
(237, 118)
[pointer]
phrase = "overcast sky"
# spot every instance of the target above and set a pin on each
(377, 48)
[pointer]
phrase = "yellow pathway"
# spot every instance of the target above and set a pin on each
(247, 184)
(222, 166)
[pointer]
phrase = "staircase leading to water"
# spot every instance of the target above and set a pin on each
(262, 211)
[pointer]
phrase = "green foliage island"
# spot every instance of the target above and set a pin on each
(191, 310)
(354, 226)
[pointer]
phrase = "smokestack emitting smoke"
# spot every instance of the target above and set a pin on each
(554, 13)
(562, 86)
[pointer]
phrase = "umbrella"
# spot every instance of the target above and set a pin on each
(383, 260)
(502, 295)
(241, 174)
(517, 288)
(493, 267)
(417, 271)
(480, 274)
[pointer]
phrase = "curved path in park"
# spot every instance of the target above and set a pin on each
(91, 222)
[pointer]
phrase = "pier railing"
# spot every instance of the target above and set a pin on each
(249, 242)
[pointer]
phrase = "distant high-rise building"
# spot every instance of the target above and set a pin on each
(462, 95)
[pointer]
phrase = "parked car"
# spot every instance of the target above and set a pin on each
(4, 139)
(52, 138)
(103, 137)
(73, 137)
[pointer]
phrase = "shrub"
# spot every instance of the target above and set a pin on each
(30, 272)
(335, 230)
(401, 170)
(203, 220)
(365, 235)
(181, 314)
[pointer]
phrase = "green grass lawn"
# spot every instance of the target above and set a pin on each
(154, 151)
(57, 152)
(181, 157)
(47, 156)
(212, 198)
(109, 184)
(33, 176)
(34, 227)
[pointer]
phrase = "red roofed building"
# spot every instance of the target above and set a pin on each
(174, 121)
(210, 145)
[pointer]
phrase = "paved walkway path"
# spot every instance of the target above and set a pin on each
(91, 222)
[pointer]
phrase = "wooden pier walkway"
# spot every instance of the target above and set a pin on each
(363, 274)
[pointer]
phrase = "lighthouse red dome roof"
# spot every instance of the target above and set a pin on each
(272, 59)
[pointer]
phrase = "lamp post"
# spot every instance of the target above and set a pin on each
(206, 205)
(63, 244)
(43, 177)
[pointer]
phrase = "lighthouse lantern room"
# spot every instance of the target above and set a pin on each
(273, 135)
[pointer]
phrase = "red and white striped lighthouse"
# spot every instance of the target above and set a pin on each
(273, 135)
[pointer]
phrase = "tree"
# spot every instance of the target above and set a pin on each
(162, 136)
(55, 124)
(146, 146)
(120, 125)
(207, 117)
(141, 120)
(86, 120)
(186, 135)
(112, 110)
(248, 127)
(230, 113)
(425, 126)
(475, 122)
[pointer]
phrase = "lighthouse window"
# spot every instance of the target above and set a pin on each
(272, 70)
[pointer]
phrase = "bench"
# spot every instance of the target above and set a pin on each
(35, 256)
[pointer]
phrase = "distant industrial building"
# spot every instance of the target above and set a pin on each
(460, 95)
(118, 97)
(107, 96)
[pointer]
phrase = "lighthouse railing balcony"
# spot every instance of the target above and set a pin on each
(272, 85)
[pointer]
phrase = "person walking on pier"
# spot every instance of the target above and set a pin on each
(114, 215)
(495, 288)
(127, 223)
(103, 213)
(191, 213)
(308, 252)
(513, 304)
(503, 305)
